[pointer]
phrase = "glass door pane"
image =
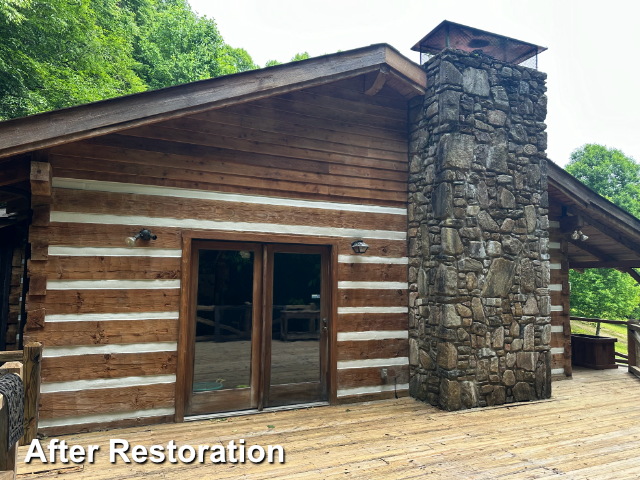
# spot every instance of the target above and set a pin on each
(223, 329)
(297, 323)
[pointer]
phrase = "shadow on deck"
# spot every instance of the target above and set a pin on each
(590, 428)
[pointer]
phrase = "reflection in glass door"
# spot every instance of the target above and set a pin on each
(225, 328)
(298, 317)
(259, 329)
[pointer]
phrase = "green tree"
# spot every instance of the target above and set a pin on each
(606, 293)
(609, 172)
(300, 56)
(58, 53)
(174, 46)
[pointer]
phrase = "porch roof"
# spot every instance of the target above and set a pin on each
(614, 234)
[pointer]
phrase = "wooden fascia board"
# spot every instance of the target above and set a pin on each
(406, 70)
(591, 203)
(99, 118)
(600, 264)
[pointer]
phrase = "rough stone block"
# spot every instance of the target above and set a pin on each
(413, 352)
(449, 74)
(508, 378)
(450, 318)
(527, 278)
(500, 98)
(423, 283)
(442, 200)
(450, 241)
(494, 249)
(468, 394)
(496, 117)
(543, 376)
(522, 392)
(529, 337)
(497, 338)
(456, 150)
(469, 265)
(476, 82)
(497, 158)
(447, 357)
(511, 245)
(487, 222)
(446, 281)
(531, 307)
(426, 361)
(449, 395)
(500, 278)
(478, 311)
(506, 198)
(526, 361)
(449, 106)
(497, 397)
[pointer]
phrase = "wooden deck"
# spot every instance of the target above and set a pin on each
(589, 429)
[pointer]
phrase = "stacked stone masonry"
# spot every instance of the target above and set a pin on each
(479, 308)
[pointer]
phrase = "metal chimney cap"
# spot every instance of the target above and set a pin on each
(461, 37)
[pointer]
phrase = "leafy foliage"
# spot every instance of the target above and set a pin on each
(296, 58)
(610, 173)
(606, 293)
(59, 53)
(300, 56)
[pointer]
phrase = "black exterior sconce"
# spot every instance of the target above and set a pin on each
(144, 234)
(359, 246)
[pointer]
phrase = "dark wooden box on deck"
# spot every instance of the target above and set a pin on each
(593, 352)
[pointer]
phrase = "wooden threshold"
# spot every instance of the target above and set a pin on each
(255, 411)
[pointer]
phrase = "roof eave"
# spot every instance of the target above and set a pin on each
(47, 129)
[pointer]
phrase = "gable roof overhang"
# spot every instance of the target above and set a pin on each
(614, 234)
(44, 130)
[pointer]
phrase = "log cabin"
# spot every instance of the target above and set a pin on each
(346, 228)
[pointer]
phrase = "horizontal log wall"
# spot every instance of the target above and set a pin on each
(327, 161)
(560, 296)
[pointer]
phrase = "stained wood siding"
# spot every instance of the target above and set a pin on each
(326, 161)
(560, 296)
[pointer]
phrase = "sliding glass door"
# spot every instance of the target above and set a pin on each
(260, 326)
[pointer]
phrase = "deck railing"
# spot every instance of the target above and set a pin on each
(633, 342)
(31, 359)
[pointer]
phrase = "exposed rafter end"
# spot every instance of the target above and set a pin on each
(374, 81)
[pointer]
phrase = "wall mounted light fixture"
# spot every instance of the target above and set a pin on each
(359, 246)
(578, 235)
(144, 234)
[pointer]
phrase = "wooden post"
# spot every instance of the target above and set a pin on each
(632, 346)
(8, 460)
(32, 361)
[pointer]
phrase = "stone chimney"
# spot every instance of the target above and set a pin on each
(479, 311)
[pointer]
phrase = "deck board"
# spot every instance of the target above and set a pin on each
(590, 428)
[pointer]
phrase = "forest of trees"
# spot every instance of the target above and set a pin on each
(60, 53)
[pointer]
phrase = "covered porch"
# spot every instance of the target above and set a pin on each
(590, 428)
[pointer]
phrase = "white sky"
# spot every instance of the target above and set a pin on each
(592, 61)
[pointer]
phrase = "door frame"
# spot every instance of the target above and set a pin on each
(267, 312)
(186, 328)
(198, 403)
